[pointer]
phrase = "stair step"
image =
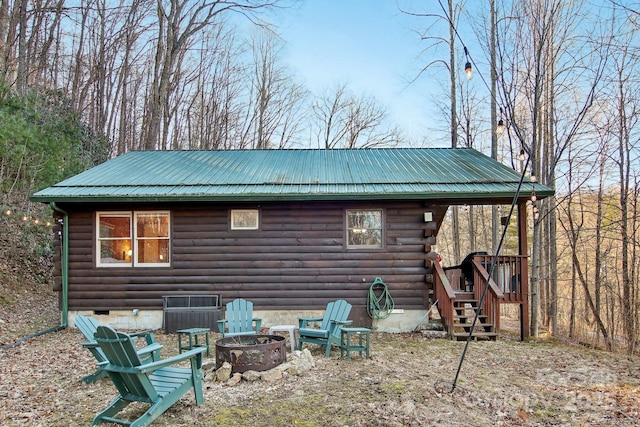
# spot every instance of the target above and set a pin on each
(465, 301)
(478, 325)
(460, 336)
(469, 317)
(462, 295)
(466, 308)
(462, 312)
(478, 333)
(462, 304)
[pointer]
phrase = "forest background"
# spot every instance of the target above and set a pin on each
(554, 83)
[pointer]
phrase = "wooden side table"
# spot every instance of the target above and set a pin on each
(193, 333)
(346, 345)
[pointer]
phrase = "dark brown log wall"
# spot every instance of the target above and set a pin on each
(297, 259)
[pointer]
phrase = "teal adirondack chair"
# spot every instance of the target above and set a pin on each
(88, 326)
(240, 320)
(335, 318)
(157, 383)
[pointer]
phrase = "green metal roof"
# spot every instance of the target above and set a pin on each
(258, 175)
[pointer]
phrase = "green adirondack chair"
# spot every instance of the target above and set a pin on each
(240, 320)
(335, 318)
(88, 326)
(159, 384)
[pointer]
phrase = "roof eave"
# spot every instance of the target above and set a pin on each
(257, 197)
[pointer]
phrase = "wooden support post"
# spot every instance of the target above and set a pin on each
(524, 270)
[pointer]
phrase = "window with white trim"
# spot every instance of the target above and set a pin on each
(133, 239)
(364, 228)
(245, 219)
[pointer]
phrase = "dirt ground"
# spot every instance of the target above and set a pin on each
(406, 382)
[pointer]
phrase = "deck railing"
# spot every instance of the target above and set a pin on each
(491, 302)
(510, 276)
(445, 295)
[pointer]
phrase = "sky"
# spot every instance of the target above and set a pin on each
(372, 47)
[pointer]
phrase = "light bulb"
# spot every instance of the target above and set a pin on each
(468, 70)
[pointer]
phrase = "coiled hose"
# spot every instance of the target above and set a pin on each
(380, 303)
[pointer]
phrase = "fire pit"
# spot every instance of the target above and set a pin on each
(251, 352)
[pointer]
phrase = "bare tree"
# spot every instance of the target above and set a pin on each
(450, 18)
(179, 22)
(213, 113)
(277, 99)
(432, 36)
(539, 73)
(344, 120)
(626, 112)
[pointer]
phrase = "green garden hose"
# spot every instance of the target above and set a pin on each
(380, 304)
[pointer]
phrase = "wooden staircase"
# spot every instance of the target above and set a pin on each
(465, 307)
(457, 297)
(458, 306)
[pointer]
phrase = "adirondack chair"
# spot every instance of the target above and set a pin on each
(335, 318)
(88, 326)
(157, 383)
(240, 320)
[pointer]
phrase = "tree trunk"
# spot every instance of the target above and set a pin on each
(494, 117)
(23, 58)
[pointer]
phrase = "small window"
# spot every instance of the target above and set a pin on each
(127, 239)
(245, 219)
(364, 229)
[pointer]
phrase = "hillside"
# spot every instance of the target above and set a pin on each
(28, 303)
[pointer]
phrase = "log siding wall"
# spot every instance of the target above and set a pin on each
(296, 260)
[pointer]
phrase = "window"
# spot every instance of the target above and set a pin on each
(114, 239)
(128, 239)
(364, 229)
(244, 219)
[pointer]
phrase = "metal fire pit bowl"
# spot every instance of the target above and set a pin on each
(251, 352)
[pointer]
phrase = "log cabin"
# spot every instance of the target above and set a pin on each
(289, 230)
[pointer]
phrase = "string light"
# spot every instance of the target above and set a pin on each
(521, 156)
(500, 125)
(467, 67)
(23, 217)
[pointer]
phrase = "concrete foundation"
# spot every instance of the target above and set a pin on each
(399, 320)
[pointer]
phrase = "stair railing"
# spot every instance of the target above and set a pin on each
(445, 295)
(491, 303)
